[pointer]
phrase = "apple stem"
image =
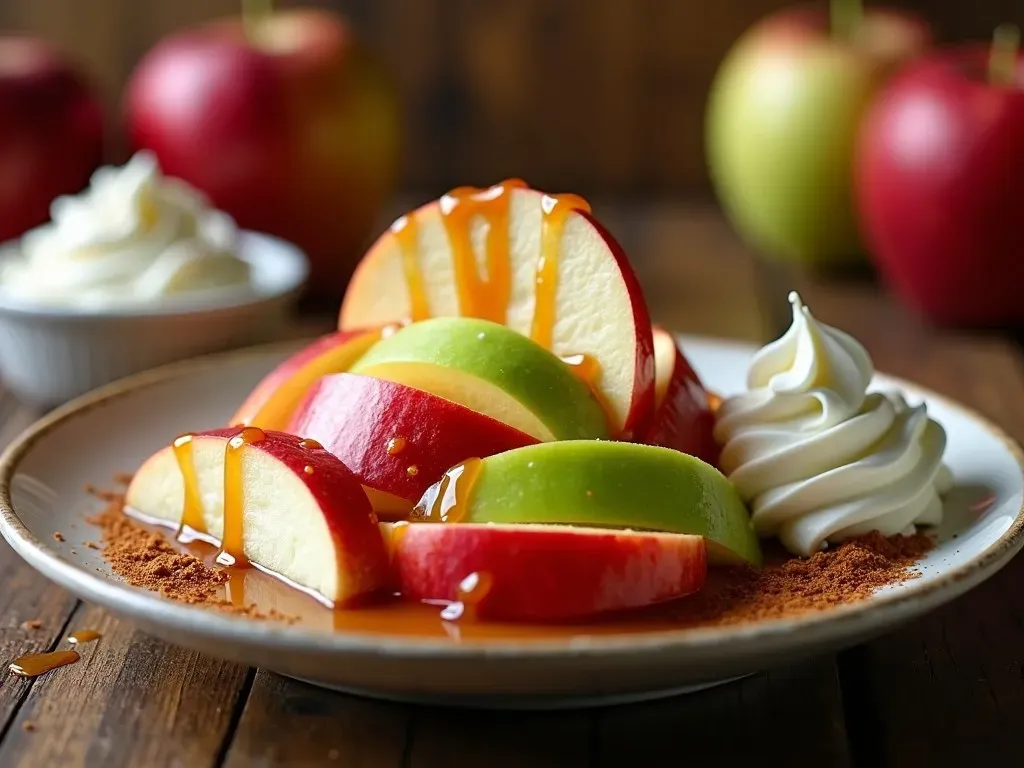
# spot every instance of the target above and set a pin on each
(1002, 61)
(254, 15)
(846, 16)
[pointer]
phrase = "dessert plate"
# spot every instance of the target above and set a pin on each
(110, 431)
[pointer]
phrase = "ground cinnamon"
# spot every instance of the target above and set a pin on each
(145, 558)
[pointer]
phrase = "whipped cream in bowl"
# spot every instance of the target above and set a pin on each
(817, 456)
(136, 271)
(134, 237)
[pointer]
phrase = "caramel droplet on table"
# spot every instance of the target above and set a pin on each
(84, 636)
(396, 445)
(471, 592)
(33, 664)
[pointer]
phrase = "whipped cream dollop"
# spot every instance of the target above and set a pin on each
(818, 458)
(133, 236)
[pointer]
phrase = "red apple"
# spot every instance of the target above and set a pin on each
(940, 182)
(683, 419)
(290, 126)
(396, 439)
(304, 516)
(51, 132)
(273, 401)
(544, 572)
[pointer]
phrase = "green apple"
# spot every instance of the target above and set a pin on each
(782, 124)
(492, 369)
(598, 483)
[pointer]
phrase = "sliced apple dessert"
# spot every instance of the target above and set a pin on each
(270, 499)
(540, 264)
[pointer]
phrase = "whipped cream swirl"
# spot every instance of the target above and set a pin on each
(816, 456)
(133, 236)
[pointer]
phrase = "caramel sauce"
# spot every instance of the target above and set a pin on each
(308, 444)
(307, 469)
(471, 592)
(396, 445)
(192, 503)
(585, 368)
(486, 298)
(556, 210)
(412, 470)
(33, 664)
(232, 550)
(84, 636)
(445, 501)
(406, 232)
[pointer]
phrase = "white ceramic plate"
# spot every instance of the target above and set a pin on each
(42, 476)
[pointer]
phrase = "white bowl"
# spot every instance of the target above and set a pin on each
(50, 354)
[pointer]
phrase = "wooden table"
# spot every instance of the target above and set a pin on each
(945, 690)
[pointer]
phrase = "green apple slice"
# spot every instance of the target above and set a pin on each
(599, 483)
(492, 369)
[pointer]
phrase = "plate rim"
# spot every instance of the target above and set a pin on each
(135, 602)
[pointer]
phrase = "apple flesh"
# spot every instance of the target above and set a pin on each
(683, 419)
(491, 369)
(603, 484)
(292, 128)
(51, 132)
(304, 514)
(273, 401)
(599, 308)
(544, 573)
(396, 439)
(782, 124)
(940, 179)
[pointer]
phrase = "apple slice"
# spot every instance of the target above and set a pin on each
(683, 419)
(540, 264)
(598, 483)
(489, 368)
(272, 402)
(543, 573)
(292, 508)
(396, 439)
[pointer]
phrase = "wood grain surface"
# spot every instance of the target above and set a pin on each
(941, 691)
(597, 96)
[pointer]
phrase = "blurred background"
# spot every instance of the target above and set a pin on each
(604, 97)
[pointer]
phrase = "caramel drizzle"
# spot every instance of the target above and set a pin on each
(556, 209)
(446, 500)
(232, 547)
(192, 503)
(470, 593)
(487, 297)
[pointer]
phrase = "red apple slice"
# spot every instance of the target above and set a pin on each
(544, 572)
(396, 439)
(538, 264)
(683, 418)
(303, 515)
(272, 402)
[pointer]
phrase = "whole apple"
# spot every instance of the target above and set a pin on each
(51, 132)
(291, 126)
(782, 124)
(940, 182)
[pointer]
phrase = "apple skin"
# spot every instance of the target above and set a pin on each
(273, 401)
(782, 124)
(940, 180)
(605, 484)
(295, 134)
(51, 132)
(489, 367)
(547, 573)
(357, 554)
(354, 417)
(683, 419)
(595, 282)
